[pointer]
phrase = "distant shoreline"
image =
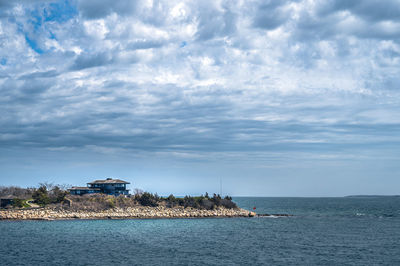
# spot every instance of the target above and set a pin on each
(372, 196)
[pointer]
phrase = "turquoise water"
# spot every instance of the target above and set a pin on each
(324, 231)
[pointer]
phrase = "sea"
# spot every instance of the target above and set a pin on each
(322, 231)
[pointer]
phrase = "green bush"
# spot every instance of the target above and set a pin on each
(19, 203)
(206, 204)
(202, 202)
(40, 196)
(148, 199)
(47, 194)
(57, 195)
(111, 202)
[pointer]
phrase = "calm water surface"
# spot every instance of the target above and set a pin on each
(324, 231)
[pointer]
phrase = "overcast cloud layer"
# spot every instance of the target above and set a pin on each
(309, 85)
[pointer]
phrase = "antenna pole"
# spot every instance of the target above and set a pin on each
(220, 186)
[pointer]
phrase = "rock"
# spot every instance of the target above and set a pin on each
(137, 212)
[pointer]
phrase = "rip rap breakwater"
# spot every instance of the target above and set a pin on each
(118, 213)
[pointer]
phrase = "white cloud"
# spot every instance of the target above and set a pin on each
(215, 69)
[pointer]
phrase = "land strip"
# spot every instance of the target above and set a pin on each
(140, 212)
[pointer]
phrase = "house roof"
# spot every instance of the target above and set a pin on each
(83, 188)
(109, 181)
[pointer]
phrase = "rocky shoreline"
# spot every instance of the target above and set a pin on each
(139, 212)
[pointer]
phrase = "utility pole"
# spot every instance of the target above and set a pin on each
(220, 186)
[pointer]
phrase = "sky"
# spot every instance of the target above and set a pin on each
(267, 98)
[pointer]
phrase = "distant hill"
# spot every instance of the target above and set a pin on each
(371, 196)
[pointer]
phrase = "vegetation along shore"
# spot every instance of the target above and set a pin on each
(52, 202)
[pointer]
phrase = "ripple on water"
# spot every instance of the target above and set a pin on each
(323, 231)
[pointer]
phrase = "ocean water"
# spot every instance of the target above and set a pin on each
(323, 231)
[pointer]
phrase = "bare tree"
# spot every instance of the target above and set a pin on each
(138, 192)
(14, 191)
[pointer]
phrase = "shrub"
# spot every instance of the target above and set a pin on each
(111, 202)
(57, 195)
(171, 201)
(41, 196)
(216, 199)
(124, 202)
(206, 204)
(19, 203)
(202, 202)
(191, 202)
(148, 199)
(228, 204)
(47, 194)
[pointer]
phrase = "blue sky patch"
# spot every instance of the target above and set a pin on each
(33, 44)
(60, 11)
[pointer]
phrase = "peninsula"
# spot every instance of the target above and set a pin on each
(108, 199)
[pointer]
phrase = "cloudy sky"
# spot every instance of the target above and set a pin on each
(271, 98)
